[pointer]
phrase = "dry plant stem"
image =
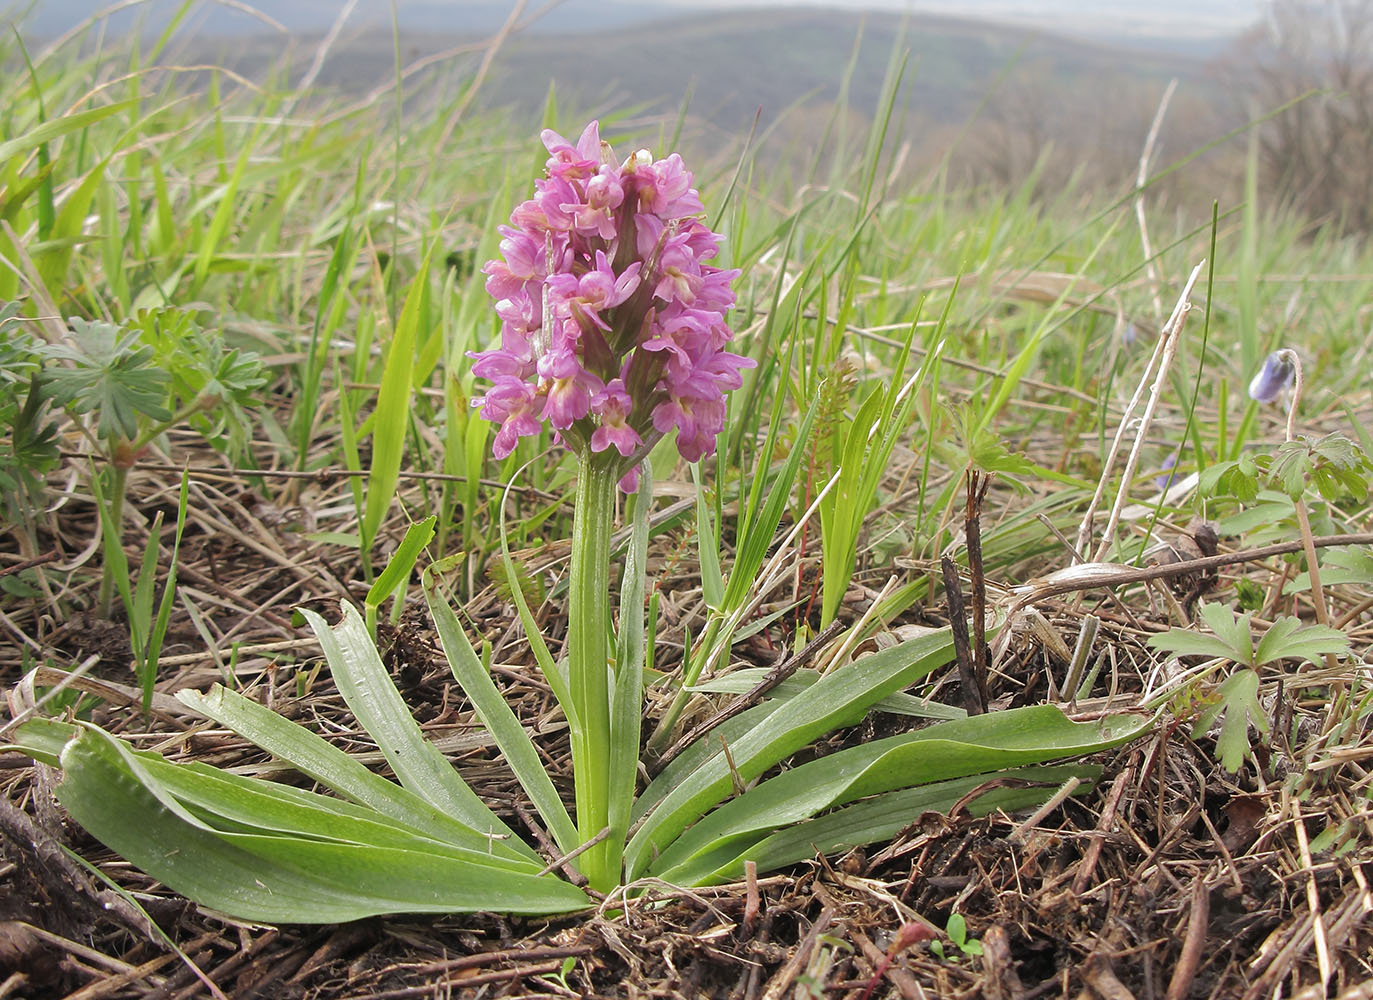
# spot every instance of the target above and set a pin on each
(958, 624)
(1082, 652)
(1150, 267)
(1173, 335)
(1084, 531)
(1193, 944)
(1303, 520)
(1105, 575)
(1020, 833)
(1313, 897)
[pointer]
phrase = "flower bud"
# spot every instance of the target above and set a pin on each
(1273, 378)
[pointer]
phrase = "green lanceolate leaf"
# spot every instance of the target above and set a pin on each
(900, 703)
(366, 686)
(494, 711)
(316, 758)
(698, 753)
(981, 744)
(627, 696)
(276, 876)
(882, 817)
(840, 698)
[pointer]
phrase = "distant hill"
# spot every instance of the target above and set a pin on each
(785, 65)
(737, 63)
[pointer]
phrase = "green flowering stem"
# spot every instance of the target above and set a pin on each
(112, 528)
(588, 650)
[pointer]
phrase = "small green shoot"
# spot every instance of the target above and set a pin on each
(957, 930)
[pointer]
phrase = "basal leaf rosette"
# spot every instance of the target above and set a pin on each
(613, 326)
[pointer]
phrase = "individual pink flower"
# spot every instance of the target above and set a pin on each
(569, 388)
(511, 404)
(613, 405)
(595, 291)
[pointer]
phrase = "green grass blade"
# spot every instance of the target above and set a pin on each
(164, 610)
(555, 678)
(392, 416)
(707, 546)
(56, 127)
(393, 578)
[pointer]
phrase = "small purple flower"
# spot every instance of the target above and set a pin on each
(1169, 473)
(1273, 378)
(613, 329)
(568, 386)
(510, 403)
(613, 405)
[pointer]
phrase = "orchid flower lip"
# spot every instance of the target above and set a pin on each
(613, 318)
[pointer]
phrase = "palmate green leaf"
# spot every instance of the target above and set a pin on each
(840, 698)
(1239, 704)
(316, 758)
(277, 876)
(110, 374)
(980, 744)
(884, 816)
(1287, 638)
(1184, 642)
(495, 714)
(1231, 629)
(367, 688)
(1352, 565)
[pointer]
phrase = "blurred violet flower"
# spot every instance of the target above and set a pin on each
(613, 326)
(1169, 469)
(1273, 378)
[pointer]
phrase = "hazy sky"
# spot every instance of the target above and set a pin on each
(1181, 19)
(1185, 17)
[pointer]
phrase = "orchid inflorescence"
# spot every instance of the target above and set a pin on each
(612, 323)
